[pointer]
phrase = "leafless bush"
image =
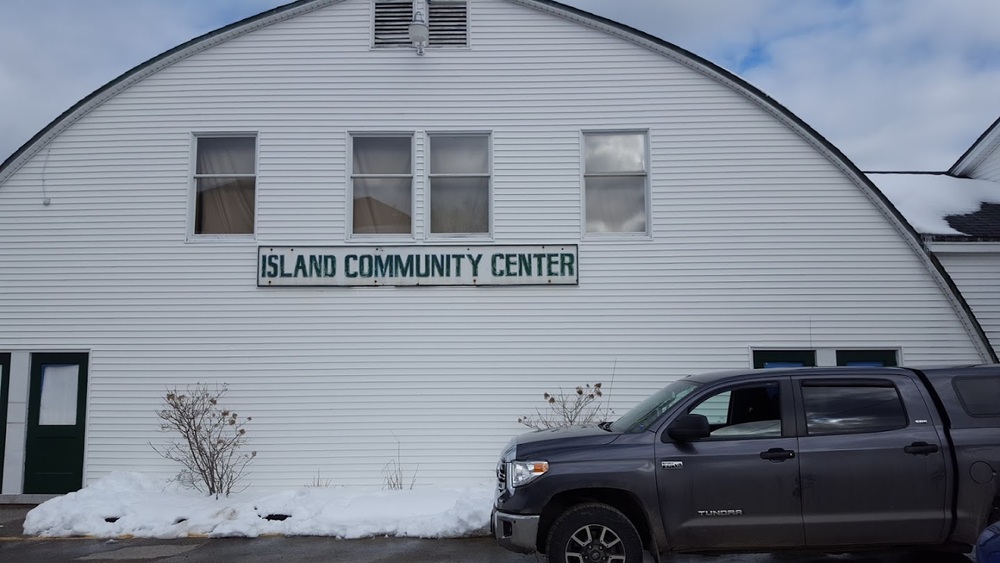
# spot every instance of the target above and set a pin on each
(212, 438)
(392, 472)
(319, 482)
(581, 407)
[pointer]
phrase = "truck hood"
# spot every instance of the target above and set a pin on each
(552, 441)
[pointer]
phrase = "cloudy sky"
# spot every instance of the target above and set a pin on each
(896, 84)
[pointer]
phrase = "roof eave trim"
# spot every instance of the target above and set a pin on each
(129, 78)
(983, 146)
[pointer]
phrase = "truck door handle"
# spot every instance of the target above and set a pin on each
(921, 448)
(777, 454)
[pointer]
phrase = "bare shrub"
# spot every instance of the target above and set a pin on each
(581, 407)
(212, 438)
(319, 482)
(392, 472)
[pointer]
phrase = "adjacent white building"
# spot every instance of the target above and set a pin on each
(386, 253)
(957, 214)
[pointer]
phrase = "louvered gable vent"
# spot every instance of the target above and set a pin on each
(447, 21)
(392, 21)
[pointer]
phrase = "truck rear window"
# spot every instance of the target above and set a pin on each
(846, 409)
(980, 396)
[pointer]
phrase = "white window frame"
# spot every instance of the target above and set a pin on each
(414, 166)
(826, 356)
(427, 192)
(193, 176)
(647, 191)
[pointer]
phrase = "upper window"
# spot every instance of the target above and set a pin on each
(783, 358)
(447, 22)
(615, 180)
(848, 409)
(225, 184)
(866, 358)
(460, 184)
(382, 177)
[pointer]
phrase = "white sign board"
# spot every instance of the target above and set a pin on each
(347, 266)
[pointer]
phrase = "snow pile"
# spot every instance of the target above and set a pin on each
(132, 504)
(926, 199)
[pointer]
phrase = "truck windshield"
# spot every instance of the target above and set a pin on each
(645, 413)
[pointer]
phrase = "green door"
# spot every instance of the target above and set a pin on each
(53, 458)
(4, 394)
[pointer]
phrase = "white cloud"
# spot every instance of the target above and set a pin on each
(895, 85)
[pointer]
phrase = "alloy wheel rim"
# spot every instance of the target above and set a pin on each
(595, 543)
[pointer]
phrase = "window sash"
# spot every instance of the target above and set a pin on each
(460, 205)
(459, 184)
(383, 206)
(225, 185)
(382, 185)
(616, 204)
(615, 153)
(616, 182)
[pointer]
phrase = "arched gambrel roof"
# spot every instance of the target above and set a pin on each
(645, 40)
(984, 145)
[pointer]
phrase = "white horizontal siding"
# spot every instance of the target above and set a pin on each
(757, 241)
(989, 167)
(976, 276)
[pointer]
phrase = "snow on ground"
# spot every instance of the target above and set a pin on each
(143, 507)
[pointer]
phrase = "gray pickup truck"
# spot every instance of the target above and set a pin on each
(825, 459)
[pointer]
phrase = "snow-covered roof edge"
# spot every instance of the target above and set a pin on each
(927, 199)
(984, 145)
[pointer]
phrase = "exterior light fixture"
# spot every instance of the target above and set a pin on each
(419, 33)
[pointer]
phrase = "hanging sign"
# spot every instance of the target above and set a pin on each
(348, 266)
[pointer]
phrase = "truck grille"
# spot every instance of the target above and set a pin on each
(501, 476)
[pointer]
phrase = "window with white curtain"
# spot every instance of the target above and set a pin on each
(225, 184)
(382, 178)
(459, 184)
(615, 182)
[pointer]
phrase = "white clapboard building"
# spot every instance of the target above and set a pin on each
(391, 226)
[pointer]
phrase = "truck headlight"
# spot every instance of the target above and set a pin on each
(523, 472)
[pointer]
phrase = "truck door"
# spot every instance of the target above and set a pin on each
(738, 488)
(872, 463)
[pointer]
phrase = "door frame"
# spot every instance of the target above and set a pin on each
(35, 431)
(4, 400)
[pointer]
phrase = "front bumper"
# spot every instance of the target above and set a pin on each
(515, 532)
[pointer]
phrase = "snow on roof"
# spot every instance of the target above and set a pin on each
(927, 200)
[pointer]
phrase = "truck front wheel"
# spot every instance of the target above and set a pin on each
(593, 533)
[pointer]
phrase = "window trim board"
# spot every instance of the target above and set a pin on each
(647, 194)
(192, 197)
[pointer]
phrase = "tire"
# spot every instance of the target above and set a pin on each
(593, 533)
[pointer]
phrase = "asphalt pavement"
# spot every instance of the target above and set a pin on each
(15, 547)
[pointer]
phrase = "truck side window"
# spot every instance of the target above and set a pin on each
(979, 395)
(847, 409)
(745, 412)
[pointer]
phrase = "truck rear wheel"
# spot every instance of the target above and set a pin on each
(593, 533)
